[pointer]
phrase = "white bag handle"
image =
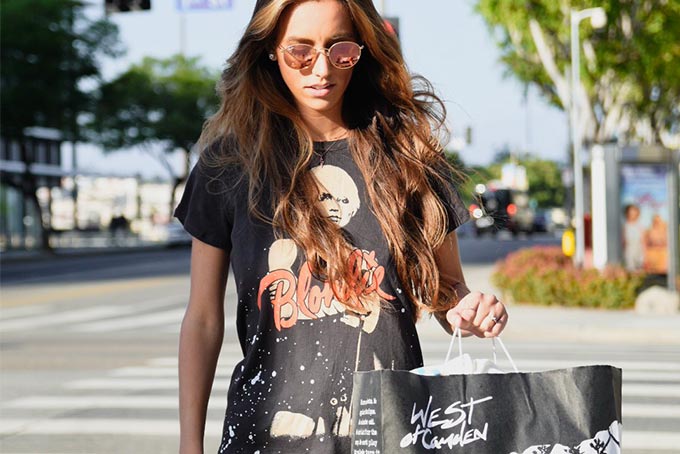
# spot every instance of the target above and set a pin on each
(458, 334)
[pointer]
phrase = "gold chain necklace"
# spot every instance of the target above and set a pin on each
(333, 144)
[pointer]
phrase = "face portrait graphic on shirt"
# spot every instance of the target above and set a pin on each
(338, 194)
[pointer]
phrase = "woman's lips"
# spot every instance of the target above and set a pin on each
(320, 90)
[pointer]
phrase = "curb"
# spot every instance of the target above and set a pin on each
(58, 254)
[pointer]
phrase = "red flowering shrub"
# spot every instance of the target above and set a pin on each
(543, 275)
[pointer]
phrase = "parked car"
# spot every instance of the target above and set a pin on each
(502, 209)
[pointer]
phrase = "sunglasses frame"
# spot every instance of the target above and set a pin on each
(323, 50)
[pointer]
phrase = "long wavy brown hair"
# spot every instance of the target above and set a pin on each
(396, 125)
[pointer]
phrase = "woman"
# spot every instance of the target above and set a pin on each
(655, 245)
(323, 185)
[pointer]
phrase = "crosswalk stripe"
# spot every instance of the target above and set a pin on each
(83, 315)
(157, 318)
(659, 370)
(651, 390)
(650, 441)
(135, 384)
(110, 426)
(660, 441)
(171, 371)
(222, 383)
(548, 364)
(634, 375)
(161, 371)
(23, 311)
(172, 403)
(82, 402)
(650, 411)
(63, 317)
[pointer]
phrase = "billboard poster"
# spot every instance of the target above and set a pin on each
(203, 5)
(644, 210)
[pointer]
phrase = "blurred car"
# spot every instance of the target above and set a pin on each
(541, 221)
(171, 234)
(502, 209)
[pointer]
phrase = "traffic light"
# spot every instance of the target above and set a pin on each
(468, 135)
(125, 6)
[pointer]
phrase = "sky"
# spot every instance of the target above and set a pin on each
(443, 40)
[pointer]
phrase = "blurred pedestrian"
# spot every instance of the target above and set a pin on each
(632, 238)
(324, 184)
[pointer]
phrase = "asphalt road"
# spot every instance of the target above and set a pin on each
(89, 344)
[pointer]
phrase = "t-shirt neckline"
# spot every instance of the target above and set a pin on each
(330, 144)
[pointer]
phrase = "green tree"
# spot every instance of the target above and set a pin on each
(159, 105)
(49, 52)
(630, 73)
(545, 182)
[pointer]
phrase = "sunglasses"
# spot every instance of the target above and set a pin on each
(342, 55)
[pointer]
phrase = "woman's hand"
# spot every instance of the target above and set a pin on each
(479, 314)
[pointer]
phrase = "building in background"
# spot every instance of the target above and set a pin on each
(37, 194)
(25, 167)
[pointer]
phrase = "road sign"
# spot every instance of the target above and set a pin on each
(202, 5)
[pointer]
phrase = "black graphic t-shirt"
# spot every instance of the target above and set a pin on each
(291, 392)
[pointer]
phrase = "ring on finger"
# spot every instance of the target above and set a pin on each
(495, 319)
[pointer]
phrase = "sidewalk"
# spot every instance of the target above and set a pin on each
(101, 246)
(550, 324)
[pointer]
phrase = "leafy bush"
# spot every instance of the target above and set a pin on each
(543, 275)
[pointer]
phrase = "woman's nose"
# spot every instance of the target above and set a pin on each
(322, 65)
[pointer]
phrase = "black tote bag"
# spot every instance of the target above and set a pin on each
(567, 411)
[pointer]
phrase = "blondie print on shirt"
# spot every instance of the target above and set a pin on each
(291, 391)
(296, 297)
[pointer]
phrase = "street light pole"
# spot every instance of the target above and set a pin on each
(598, 19)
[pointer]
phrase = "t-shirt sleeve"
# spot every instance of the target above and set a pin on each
(447, 190)
(204, 208)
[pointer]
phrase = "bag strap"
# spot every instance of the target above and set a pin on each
(458, 334)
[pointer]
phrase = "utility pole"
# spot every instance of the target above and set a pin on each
(598, 19)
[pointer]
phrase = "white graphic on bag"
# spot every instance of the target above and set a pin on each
(458, 421)
(604, 442)
(366, 433)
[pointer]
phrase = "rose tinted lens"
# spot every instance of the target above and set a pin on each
(299, 56)
(344, 55)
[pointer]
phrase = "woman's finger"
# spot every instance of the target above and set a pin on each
(496, 324)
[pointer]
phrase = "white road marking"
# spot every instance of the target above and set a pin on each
(162, 371)
(651, 390)
(649, 411)
(82, 315)
(635, 375)
(63, 317)
(650, 441)
(660, 441)
(23, 311)
(98, 401)
(534, 365)
(75, 426)
(222, 383)
(172, 403)
(136, 384)
(157, 318)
